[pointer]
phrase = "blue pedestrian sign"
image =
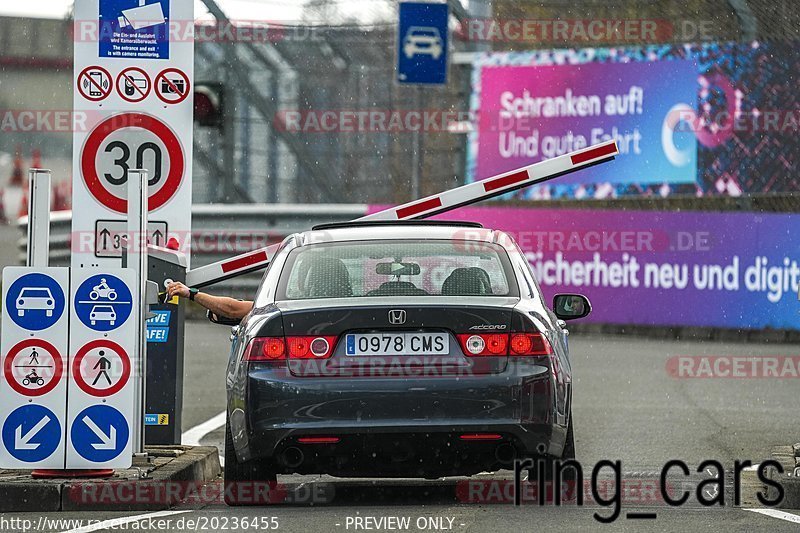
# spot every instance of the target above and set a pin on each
(103, 302)
(31, 433)
(422, 43)
(99, 433)
(35, 302)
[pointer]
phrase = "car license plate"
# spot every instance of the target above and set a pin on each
(397, 344)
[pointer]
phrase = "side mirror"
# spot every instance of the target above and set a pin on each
(571, 306)
(223, 320)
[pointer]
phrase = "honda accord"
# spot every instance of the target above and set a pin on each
(399, 349)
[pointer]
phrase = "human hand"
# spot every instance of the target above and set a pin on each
(176, 288)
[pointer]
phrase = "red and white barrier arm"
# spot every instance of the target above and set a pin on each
(230, 268)
(426, 207)
(501, 184)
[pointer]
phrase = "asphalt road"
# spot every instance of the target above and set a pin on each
(626, 407)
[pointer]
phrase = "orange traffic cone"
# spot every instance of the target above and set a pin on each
(36, 158)
(23, 206)
(12, 192)
(16, 174)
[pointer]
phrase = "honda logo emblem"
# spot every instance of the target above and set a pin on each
(397, 317)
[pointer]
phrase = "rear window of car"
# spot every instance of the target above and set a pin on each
(396, 268)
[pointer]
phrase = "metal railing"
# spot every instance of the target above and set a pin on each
(219, 232)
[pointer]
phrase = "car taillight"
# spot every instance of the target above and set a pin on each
(514, 344)
(295, 347)
(266, 349)
(526, 344)
(486, 344)
(310, 347)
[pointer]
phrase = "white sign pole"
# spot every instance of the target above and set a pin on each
(137, 260)
(38, 217)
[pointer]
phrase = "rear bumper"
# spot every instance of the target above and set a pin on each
(420, 418)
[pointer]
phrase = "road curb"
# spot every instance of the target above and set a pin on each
(26, 495)
(160, 482)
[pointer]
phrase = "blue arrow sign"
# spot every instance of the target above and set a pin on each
(103, 302)
(35, 301)
(99, 433)
(31, 433)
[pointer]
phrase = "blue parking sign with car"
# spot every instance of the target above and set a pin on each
(422, 43)
(103, 302)
(35, 302)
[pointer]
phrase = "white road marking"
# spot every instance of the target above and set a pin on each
(193, 436)
(774, 513)
(116, 523)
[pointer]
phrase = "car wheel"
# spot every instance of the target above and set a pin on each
(49, 313)
(20, 312)
(567, 474)
(244, 482)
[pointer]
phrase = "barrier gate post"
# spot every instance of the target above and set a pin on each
(38, 217)
(137, 259)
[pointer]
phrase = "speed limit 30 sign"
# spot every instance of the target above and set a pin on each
(130, 141)
(139, 116)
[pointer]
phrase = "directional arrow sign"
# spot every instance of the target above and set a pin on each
(108, 442)
(99, 435)
(110, 236)
(31, 434)
(23, 442)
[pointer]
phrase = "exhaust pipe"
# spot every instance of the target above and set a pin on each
(293, 457)
(505, 453)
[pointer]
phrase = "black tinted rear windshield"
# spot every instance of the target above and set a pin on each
(397, 268)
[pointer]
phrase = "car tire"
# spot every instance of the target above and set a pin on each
(240, 478)
(568, 453)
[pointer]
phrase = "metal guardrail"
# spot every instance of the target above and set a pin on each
(219, 232)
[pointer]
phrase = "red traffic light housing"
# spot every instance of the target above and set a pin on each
(209, 100)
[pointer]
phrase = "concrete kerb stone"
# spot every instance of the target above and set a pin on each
(140, 488)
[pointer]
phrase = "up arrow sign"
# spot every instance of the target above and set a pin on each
(24, 442)
(109, 441)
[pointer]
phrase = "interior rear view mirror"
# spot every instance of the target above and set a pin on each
(571, 306)
(398, 269)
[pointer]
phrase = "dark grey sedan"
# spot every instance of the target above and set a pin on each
(407, 349)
